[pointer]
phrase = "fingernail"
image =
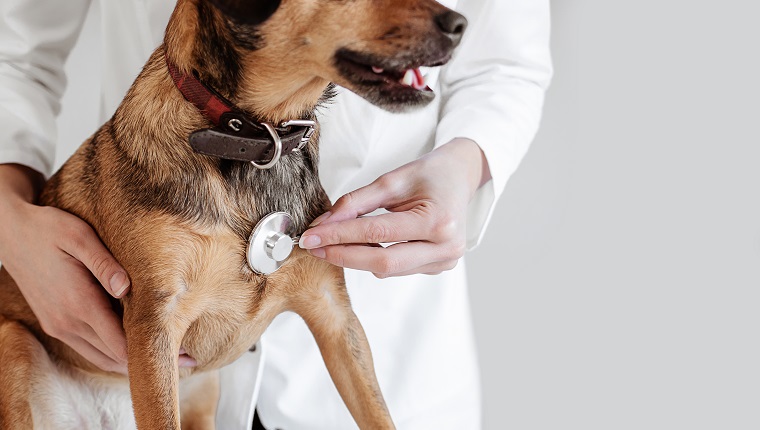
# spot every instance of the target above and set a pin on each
(318, 252)
(187, 361)
(310, 241)
(118, 283)
(320, 219)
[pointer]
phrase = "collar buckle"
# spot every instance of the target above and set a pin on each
(310, 127)
(277, 148)
(308, 124)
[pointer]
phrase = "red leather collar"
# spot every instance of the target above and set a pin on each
(208, 101)
(235, 136)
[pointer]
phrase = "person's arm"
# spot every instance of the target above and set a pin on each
(56, 259)
(36, 37)
(493, 93)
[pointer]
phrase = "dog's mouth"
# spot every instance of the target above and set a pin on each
(393, 84)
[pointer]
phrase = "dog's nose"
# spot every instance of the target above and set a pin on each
(452, 25)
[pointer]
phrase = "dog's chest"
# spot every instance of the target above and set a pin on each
(237, 195)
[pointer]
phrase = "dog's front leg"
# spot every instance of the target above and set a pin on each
(154, 333)
(326, 309)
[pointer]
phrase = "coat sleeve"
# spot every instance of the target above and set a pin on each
(493, 91)
(36, 37)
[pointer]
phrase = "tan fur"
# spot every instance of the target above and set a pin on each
(191, 287)
(17, 358)
(198, 401)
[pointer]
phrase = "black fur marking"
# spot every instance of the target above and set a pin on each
(187, 195)
(90, 175)
(245, 36)
(291, 186)
(249, 12)
(218, 63)
(328, 95)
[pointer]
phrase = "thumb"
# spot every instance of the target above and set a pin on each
(88, 249)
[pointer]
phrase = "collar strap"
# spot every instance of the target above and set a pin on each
(234, 135)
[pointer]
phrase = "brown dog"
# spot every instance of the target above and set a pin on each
(179, 221)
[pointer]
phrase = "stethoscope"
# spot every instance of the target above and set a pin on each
(271, 243)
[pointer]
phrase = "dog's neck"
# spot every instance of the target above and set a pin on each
(151, 129)
(198, 39)
(152, 125)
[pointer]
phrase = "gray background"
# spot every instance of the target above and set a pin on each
(618, 285)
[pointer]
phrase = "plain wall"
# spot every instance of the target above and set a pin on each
(617, 287)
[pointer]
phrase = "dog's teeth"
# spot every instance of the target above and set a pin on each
(408, 78)
(377, 70)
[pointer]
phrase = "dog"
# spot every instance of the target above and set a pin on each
(168, 186)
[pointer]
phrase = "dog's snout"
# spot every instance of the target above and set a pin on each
(452, 24)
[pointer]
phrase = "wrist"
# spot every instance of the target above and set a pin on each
(470, 159)
(19, 184)
(19, 187)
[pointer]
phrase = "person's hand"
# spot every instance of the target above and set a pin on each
(62, 268)
(427, 200)
(59, 264)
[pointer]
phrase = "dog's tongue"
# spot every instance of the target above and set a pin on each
(419, 81)
(413, 78)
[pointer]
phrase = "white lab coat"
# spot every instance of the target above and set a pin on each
(419, 327)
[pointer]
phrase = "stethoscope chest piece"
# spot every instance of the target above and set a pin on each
(271, 243)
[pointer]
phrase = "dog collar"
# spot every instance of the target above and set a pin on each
(235, 136)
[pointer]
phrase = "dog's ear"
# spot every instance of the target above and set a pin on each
(250, 12)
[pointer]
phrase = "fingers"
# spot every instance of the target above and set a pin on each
(94, 355)
(387, 228)
(86, 316)
(106, 332)
(427, 202)
(428, 269)
(78, 333)
(384, 192)
(88, 334)
(86, 247)
(428, 231)
(396, 260)
(186, 361)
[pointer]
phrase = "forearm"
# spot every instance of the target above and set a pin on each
(33, 52)
(492, 93)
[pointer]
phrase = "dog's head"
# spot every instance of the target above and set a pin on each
(372, 47)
